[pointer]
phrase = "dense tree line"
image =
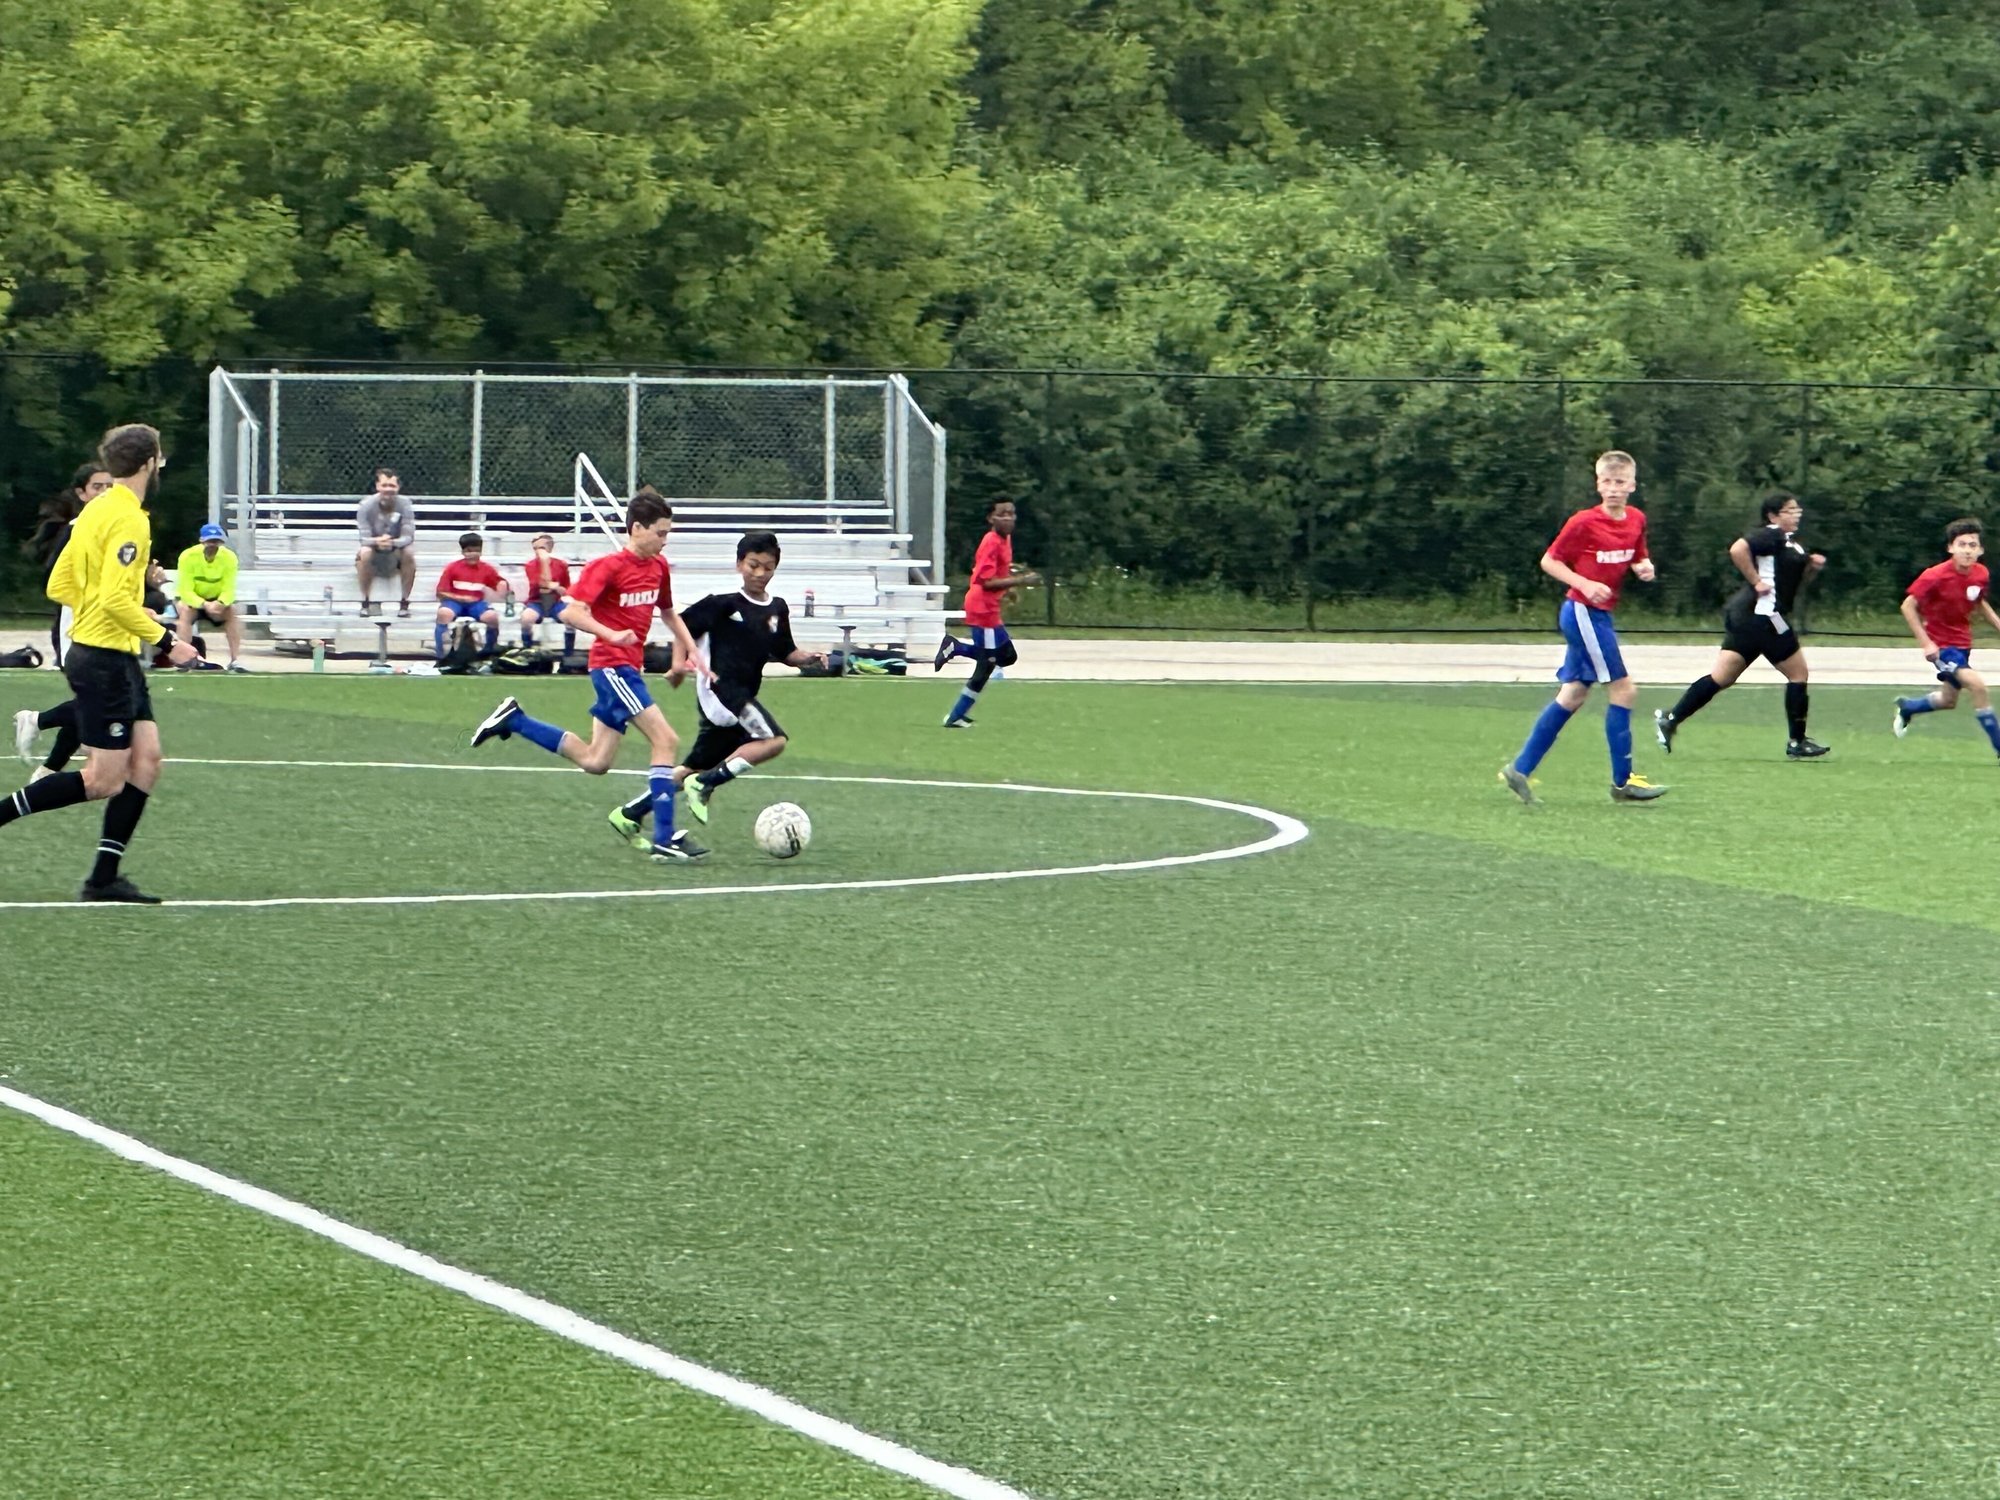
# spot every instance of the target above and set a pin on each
(1605, 191)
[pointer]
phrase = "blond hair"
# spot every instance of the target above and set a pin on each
(1617, 458)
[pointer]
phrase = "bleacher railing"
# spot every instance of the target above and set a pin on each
(291, 448)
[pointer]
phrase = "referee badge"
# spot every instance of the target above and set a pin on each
(127, 554)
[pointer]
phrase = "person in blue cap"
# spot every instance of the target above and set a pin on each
(205, 592)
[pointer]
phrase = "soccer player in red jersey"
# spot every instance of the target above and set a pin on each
(613, 602)
(1938, 608)
(1591, 554)
(993, 576)
(462, 592)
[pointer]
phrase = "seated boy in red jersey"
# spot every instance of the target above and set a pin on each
(548, 583)
(464, 592)
(1591, 554)
(1938, 608)
(613, 603)
(993, 576)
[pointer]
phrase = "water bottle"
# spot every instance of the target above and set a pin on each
(809, 603)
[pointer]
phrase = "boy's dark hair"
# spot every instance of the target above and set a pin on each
(1963, 526)
(758, 541)
(996, 504)
(471, 539)
(82, 475)
(128, 449)
(648, 507)
(383, 470)
(1772, 503)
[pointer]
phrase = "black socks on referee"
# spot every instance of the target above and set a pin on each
(62, 719)
(1695, 699)
(1795, 709)
(64, 789)
(121, 817)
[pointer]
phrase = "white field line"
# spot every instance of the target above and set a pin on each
(560, 1321)
(1284, 830)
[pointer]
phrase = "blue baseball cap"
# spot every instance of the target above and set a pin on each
(213, 533)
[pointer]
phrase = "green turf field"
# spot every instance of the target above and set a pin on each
(1459, 1150)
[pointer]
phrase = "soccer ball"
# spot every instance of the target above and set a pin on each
(783, 829)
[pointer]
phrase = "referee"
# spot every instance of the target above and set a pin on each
(101, 576)
(1773, 565)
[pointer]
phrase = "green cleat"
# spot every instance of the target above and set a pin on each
(698, 792)
(628, 831)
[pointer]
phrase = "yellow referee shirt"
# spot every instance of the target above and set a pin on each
(197, 577)
(101, 574)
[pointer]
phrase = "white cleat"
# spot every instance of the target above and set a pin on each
(1901, 723)
(26, 726)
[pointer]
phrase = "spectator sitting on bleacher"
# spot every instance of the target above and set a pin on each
(465, 591)
(205, 586)
(547, 591)
(388, 535)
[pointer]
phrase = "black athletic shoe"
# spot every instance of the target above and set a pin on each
(495, 723)
(1804, 750)
(120, 889)
(680, 849)
(945, 652)
(1663, 729)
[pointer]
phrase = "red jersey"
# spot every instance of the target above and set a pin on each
(1946, 599)
(1601, 549)
(558, 577)
(994, 559)
(468, 580)
(621, 590)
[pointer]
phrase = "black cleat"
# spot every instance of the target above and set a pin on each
(1804, 750)
(1664, 725)
(495, 724)
(679, 850)
(945, 652)
(120, 889)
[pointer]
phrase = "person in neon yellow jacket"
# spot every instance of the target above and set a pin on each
(205, 590)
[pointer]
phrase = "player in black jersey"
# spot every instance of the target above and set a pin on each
(1754, 624)
(738, 635)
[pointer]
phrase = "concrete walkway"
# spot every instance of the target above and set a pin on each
(1304, 661)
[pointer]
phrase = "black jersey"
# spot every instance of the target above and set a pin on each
(738, 636)
(1781, 562)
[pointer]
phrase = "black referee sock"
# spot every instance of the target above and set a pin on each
(62, 716)
(64, 789)
(1695, 699)
(1795, 709)
(62, 719)
(121, 817)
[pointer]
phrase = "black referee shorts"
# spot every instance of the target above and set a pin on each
(111, 695)
(1752, 636)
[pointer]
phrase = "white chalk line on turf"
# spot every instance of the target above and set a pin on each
(560, 1321)
(1285, 830)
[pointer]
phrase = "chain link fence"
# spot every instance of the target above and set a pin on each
(1393, 506)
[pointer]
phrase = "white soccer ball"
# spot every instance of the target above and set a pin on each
(783, 829)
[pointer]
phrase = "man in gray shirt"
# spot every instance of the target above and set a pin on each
(387, 529)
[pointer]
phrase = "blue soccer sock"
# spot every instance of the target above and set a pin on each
(527, 634)
(569, 642)
(535, 732)
(492, 637)
(661, 780)
(1990, 722)
(1618, 735)
(1542, 737)
(966, 700)
(437, 637)
(1913, 706)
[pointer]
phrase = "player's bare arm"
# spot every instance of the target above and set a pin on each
(805, 658)
(577, 614)
(1563, 573)
(1739, 553)
(1911, 618)
(1992, 616)
(684, 651)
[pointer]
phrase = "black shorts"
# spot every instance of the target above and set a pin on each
(111, 695)
(717, 742)
(1753, 636)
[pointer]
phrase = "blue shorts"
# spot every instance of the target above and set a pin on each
(1949, 660)
(1593, 654)
(621, 696)
(465, 609)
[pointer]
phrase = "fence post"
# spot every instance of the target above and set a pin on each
(1805, 435)
(478, 435)
(272, 423)
(1314, 426)
(1048, 488)
(632, 433)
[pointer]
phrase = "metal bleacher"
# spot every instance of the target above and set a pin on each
(859, 553)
